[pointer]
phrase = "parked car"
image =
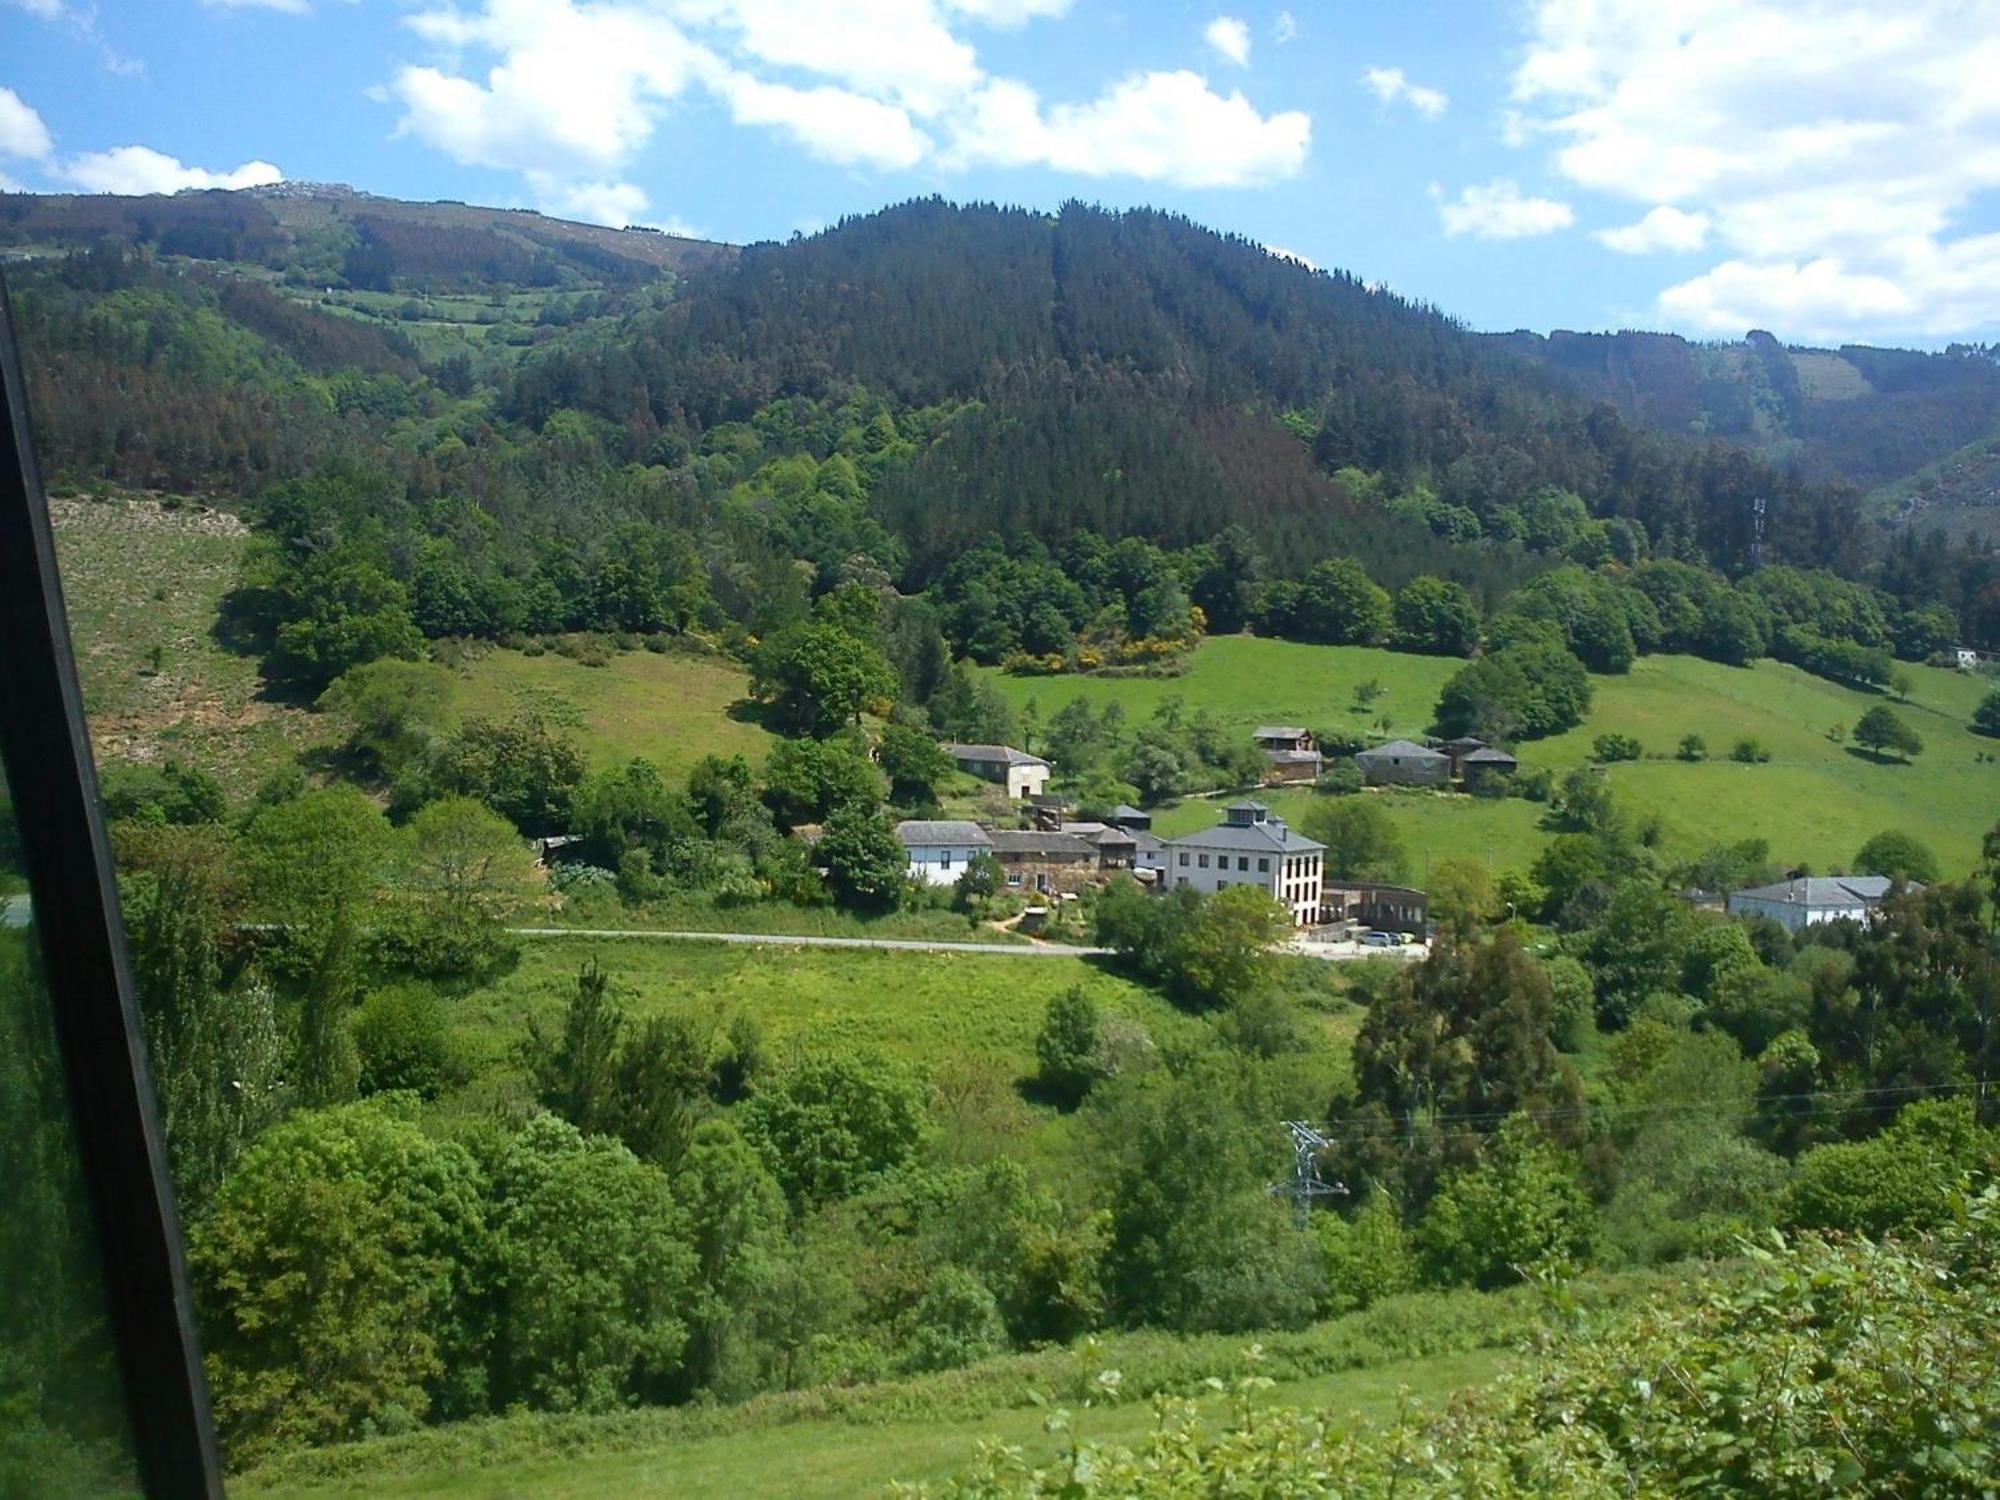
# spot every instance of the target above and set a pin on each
(1379, 940)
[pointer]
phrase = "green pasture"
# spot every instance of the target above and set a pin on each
(1816, 801)
(670, 708)
(833, 1458)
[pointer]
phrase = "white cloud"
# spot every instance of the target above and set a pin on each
(1391, 84)
(22, 133)
(1229, 37)
(1834, 149)
(835, 125)
(1291, 255)
(1163, 127)
(290, 7)
(140, 169)
(575, 93)
(48, 10)
(1284, 28)
(1664, 228)
(1009, 12)
(1498, 210)
(568, 92)
(896, 50)
(613, 203)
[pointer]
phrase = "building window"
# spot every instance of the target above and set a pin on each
(1202, 860)
(944, 859)
(1243, 862)
(1013, 877)
(1183, 861)
(1263, 867)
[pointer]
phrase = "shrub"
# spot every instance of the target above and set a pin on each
(405, 1042)
(1515, 1216)
(1749, 750)
(1692, 747)
(1366, 1256)
(1902, 1179)
(1068, 1047)
(1610, 747)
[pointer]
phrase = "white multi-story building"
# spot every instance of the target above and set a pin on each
(1250, 847)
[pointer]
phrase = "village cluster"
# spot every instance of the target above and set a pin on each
(1052, 855)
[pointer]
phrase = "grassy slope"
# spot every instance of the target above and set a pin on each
(1815, 801)
(924, 1008)
(136, 577)
(835, 1458)
(671, 709)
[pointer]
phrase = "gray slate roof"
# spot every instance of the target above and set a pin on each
(1820, 892)
(935, 833)
(1036, 843)
(1248, 838)
(1294, 757)
(999, 755)
(1402, 750)
(1126, 810)
(1277, 732)
(1487, 756)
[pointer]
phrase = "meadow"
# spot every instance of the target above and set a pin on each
(1361, 1368)
(922, 1008)
(142, 583)
(669, 707)
(1816, 800)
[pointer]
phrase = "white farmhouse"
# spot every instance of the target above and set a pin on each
(1022, 774)
(1810, 900)
(1250, 847)
(939, 851)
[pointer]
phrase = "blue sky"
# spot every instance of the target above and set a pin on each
(1828, 169)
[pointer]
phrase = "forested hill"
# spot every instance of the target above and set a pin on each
(1870, 417)
(515, 424)
(1138, 373)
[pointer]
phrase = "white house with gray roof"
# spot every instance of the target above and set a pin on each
(1250, 847)
(1022, 774)
(940, 849)
(1812, 899)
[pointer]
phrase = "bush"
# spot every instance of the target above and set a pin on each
(1610, 747)
(1903, 1179)
(404, 1038)
(1518, 1215)
(1749, 751)
(1692, 747)
(1068, 1047)
(1366, 1256)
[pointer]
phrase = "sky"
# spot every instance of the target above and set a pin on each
(1828, 170)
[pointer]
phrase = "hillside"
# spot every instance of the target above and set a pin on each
(316, 233)
(1875, 418)
(1816, 801)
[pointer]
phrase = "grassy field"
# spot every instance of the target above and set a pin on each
(1817, 800)
(832, 1458)
(668, 707)
(921, 1008)
(140, 579)
(1243, 681)
(142, 584)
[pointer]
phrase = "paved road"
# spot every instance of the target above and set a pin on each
(1332, 952)
(788, 940)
